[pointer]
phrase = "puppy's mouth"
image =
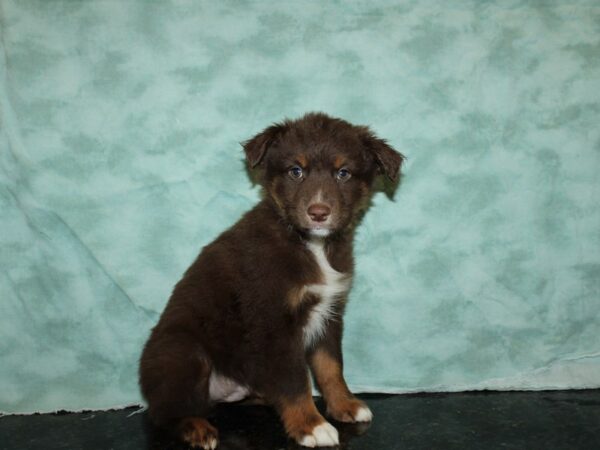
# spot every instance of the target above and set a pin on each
(319, 230)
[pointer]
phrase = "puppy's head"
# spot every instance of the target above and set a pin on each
(319, 171)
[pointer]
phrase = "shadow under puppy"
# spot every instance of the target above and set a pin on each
(263, 303)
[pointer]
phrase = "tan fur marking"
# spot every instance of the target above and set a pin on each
(328, 374)
(295, 296)
(198, 432)
(300, 416)
(303, 160)
(341, 404)
(339, 161)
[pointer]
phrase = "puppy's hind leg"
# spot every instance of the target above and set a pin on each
(174, 377)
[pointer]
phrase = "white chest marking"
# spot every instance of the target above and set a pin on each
(335, 284)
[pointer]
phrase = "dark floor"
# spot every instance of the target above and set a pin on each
(515, 420)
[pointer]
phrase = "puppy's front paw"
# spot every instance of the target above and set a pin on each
(323, 435)
(350, 410)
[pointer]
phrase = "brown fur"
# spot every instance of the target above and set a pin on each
(299, 415)
(338, 162)
(341, 404)
(298, 297)
(302, 160)
(241, 308)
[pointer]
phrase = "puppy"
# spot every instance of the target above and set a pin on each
(263, 303)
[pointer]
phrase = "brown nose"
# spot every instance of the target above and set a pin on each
(319, 212)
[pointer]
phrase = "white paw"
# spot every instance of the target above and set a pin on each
(210, 444)
(324, 435)
(363, 414)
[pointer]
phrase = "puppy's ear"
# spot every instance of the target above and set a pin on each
(257, 147)
(388, 160)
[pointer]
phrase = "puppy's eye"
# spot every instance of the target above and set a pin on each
(343, 175)
(295, 172)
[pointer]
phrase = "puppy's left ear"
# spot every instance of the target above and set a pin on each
(257, 147)
(388, 159)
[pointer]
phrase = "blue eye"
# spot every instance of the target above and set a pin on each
(343, 175)
(295, 172)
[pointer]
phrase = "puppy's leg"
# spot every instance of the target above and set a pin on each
(304, 423)
(288, 389)
(174, 376)
(327, 367)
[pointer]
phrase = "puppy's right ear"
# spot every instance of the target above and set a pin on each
(257, 147)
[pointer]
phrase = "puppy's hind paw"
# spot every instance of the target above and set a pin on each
(199, 433)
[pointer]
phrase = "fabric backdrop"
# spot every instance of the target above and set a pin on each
(120, 159)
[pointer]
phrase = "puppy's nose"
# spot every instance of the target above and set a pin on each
(319, 212)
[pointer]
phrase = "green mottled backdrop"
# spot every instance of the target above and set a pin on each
(119, 160)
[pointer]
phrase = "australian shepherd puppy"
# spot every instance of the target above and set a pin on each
(261, 307)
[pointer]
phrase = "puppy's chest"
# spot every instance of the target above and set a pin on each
(333, 286)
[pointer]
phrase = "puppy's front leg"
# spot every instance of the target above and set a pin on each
(327, 367)
(303, 422)
(300, 416)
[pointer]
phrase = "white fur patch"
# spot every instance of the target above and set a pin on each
(335, 284)
(324, 435)
(223, 389)
(320, 232)
(363, 414)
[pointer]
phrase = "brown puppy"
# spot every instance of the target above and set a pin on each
(263, 303)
